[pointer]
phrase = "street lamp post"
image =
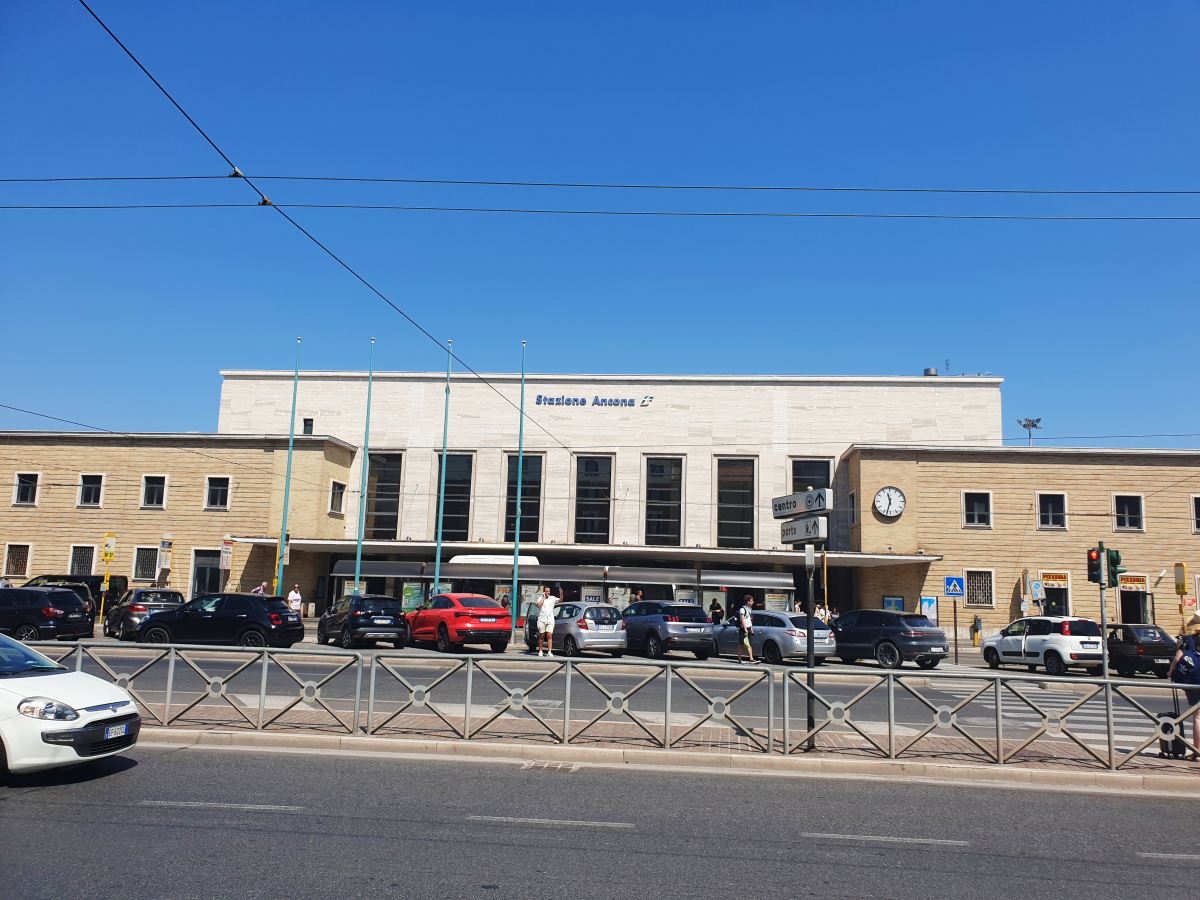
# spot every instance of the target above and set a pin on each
(437, 564)
(515, 601)
(287, 483)
(366, 463)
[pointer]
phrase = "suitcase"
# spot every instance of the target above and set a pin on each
(1174, 748)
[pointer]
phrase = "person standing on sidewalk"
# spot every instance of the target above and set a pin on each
(1188, 674)
(261, 589)
(745, 627)
(715, 612)
(545, 622)
(294, 599)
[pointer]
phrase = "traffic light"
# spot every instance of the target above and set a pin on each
(1114, 567)
(1094, 565)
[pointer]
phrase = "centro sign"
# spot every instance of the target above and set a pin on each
(817, 501)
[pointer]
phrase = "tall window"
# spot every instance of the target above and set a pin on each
(1052, 510)
(808, 473)
(735, 503)
(81, 560)
(664, 501)
(531, 499)
(16, 560)
(308, 426)
(217, 494)
(456, 518)
(337, 496)
(1129, 512)
(145, 563)
(593, 496)
(383, 497)
(154, 490)
(26, 490)
(90, 487)
(1196, 514)
(977, 510)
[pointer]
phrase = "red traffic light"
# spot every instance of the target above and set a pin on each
(1093, 565)
(1093, 554)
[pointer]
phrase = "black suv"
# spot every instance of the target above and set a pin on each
(890, 637)
(117, 584)
(251, 620)
(43, 614)
(366, 618)
(1140, 648)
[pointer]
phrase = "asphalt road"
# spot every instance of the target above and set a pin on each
(216, 824)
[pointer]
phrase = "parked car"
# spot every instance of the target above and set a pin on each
(891, 638)
(43, 614)
(457, 619)
(1056, 642)
(1140, 648)
(583, 626)
(124, 617)
(117, 584)
(367, 618)
(657, 628)
(777, 636)
(52, 716)
(251, 620)
(81, 591)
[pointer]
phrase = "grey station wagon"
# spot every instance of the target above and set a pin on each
(582, 626)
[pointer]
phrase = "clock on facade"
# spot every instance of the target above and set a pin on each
(889, 502)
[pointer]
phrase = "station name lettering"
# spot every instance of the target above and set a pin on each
(581, 401)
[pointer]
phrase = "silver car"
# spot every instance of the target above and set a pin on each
(583, 626)
(777, 636)
(124, 617)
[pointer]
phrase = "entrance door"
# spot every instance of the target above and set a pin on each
(206, 579)
(1134, 607)
(1056, 602)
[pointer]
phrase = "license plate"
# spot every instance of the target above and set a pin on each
(1090, 645)
(693, 629)
(606, 627)
(1159, 661)
(74, 615)
(937, 649)
(487, 618)
(113, 731)
(293, 618)
(382, 621)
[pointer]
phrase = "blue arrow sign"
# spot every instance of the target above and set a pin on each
(954, 587)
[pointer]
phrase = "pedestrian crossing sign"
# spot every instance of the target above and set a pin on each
(954, 587)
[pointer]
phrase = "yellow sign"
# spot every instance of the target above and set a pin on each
(1132, 582)
(109, 553)
(1181, 578)
(1055, 579)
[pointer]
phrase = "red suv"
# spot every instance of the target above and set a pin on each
(456, 619)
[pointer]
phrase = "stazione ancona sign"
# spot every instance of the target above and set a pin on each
(563, 400)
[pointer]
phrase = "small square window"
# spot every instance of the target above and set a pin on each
(82, 559)
(26, 491)
(853, 515)
(145, 563)
(977, 510)
(337, 496)
(90, 487)
(217, 495)
(154, 491)
(979, 588)
(16, 560)
(308, 426)
(1052, 510)
(1128, 510)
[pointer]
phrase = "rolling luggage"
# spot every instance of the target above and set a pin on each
(1174, 748)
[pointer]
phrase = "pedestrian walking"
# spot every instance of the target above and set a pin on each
(715, 612)
(1185, 670)
(745, 627)
(294, 599)
(261, 589)
(545, 622)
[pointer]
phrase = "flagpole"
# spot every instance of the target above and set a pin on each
(287, 484)
(437, 565)
(515, 601)
(366, 463)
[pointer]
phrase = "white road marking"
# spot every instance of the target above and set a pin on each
(513, 820)
(185, 804)
(884, 838)
(1187, 856)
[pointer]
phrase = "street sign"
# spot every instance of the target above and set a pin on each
(954, 587)
(164, 554)
(1038, 590)
(1181, 584)
(226, 556)
(109, 552)
(806, 503)
(810, 528)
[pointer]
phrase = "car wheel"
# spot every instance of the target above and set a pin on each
(402, 642)
(443, 640)
(570, 648)
(849, 660)
(26, 633)
(654, 648)
(928, 662)
(617, 654)
(992, 658)
(1125, 669)
(322, 638)
(1095, 671)
(252, 638)
(888, 656)
(108, 632)
(124, 634)
(1031, 668)
(499, 646)
(347, 639)
(1054, 665)
(819, 661)
(3, 763)
(702, 654)
(157, 635)
(771, 654)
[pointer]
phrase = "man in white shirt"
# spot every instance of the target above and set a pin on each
(545, 622)
(745, 627)
(294, 599)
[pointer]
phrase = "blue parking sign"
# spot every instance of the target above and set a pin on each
(954, 587)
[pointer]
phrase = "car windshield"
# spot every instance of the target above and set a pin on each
(379, 605)
(478, 603)
(917, 621)
(1081, 628)
(1150, 633)
(160, 597)
(16, 659)
(602, 613)
(802, 622)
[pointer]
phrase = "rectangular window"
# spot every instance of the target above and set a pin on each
(308, 426)
(145, 563)
(852, 516)
(337, 496)
(383, 497)
(90, 487)
(456, 515)
(977, 510)
(531, 499)
(81, 560)
(1196, 514)
(154, 491)
(810, 473)
(593, 496)
(16, 560)
(25, 492)
(979, 588)
(664, 501)
(1052, 510)
(735, 503)
(217, 494)
(1128, 508)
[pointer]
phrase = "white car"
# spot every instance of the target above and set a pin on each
(1056, 642)
(51, 716)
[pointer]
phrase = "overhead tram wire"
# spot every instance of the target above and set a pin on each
(264, 201)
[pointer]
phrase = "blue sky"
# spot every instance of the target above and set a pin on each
(123, 318)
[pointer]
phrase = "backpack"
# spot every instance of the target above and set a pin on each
(1187, 670)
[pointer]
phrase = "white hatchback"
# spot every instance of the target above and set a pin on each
(51, 716)
(1056, 642)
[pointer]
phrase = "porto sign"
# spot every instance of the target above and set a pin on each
(810, 502)
(810, 529)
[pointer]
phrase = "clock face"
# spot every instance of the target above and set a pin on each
(889, 501)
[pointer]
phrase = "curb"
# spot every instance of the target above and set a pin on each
(949, 774)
